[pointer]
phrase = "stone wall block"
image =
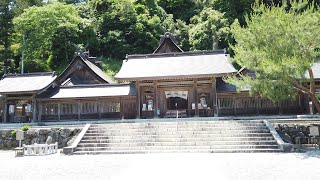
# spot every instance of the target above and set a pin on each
(61, 135)
(65, 133)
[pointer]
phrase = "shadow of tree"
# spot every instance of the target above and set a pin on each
(310, 154)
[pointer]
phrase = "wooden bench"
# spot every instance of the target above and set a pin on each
(40, 149)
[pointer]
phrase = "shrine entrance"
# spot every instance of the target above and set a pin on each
(177, 103)
(19, 111)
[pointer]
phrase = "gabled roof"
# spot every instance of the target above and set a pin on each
(84, 60)
(26, 83)
(87, 91)
(168, 44)
(316, 71)
(222, 87)
(176, 65)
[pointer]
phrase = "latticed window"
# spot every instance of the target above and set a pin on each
(89, 107)
(110, 107)
(50, 109)
(69, 108)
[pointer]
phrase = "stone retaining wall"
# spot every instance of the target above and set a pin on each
(289, 131)
(64, 136)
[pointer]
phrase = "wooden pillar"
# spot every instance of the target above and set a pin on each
(121, 108)
(155, 89)
(234, 105)
(40, 111)
(99, 108)
(5, 109)
(59, 111)
(79, 110)
(195, 94)
(138, 99)
(257, 105)
(34, 111)
(214, 97)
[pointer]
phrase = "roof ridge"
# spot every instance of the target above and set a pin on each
(96, 85)
(173, 54)
(30, 74)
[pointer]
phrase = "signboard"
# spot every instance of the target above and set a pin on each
(29, 108)
(314, 131)
(19, 135)
(11, 109)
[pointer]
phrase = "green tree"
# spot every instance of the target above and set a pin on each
(180, 9)
(280, 44)
(209, 30)
(6, 29)
(50, 32)
(128, 27)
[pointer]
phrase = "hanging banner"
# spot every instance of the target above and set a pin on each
(11, 109)
(180, 94)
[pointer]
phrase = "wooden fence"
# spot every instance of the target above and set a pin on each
(257, 105)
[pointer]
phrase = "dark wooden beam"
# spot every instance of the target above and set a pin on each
(5, 109)
(34, 110)
(138, 99)
(99, 108)
(155, 98)
(195, 94)
(214, 97)
(40, 111)
(59, 110)
(79, 110)
(121, 108)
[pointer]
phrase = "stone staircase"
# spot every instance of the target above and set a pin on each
(186, 136)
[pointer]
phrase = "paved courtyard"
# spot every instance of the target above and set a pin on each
(257, 166)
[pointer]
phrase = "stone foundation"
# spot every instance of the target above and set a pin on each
(64, 137)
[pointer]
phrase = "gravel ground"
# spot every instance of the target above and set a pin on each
(233, 166)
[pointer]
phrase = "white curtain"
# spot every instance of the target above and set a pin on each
(180, 94)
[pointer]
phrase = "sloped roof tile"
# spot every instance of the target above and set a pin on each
(175, 65)
(26, 83)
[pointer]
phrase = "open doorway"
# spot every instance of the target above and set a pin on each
(176, 103)
(177, 100)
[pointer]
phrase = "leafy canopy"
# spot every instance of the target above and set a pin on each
(48, 29)
(280, 44)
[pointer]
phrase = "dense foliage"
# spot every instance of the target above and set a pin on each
(280, 44)
(49, 32)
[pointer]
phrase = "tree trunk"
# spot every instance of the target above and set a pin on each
(310, 92)
(315, 102)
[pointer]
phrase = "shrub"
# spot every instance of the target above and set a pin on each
(25, 128)
(14, 132)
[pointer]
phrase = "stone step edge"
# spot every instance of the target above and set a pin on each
(177, 146)
(202, 142)
(181, 151)
(180, 125)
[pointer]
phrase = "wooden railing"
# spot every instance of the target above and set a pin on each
(256, 105)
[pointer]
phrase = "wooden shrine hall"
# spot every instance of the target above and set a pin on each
(165, 84)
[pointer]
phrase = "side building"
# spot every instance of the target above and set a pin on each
(83, 91)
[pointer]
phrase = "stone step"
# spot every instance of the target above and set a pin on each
(178, 135)
(173, 125)
(102, 130)
(148, 132)
(177, 147)
(205, 143)
(182, 122)
(195, 136)
(180, 151)
(166, 139)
